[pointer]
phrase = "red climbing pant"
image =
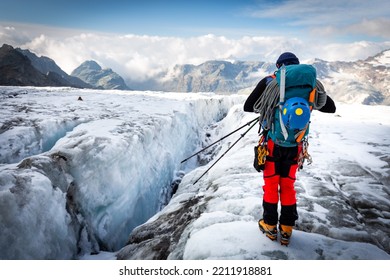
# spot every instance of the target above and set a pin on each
(279, 177)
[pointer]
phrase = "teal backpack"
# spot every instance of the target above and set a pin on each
(291, 120)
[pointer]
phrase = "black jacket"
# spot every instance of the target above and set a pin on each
(329, 106)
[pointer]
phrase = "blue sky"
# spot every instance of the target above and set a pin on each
(220, 17)
(139, 38)
(150, 17)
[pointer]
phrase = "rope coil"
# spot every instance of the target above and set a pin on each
(269, 101)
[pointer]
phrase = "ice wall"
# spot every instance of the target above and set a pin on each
(105, 176)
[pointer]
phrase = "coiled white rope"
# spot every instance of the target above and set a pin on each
(269, 100)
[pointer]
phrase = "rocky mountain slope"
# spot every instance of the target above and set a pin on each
(17, 70)
(23, 68)
(20, 67)
(47, 66)
(214, 76)
(364, 81)
(91, 73)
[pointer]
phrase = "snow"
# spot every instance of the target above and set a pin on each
(77, 177)
(381, 60)
(227, 228)
(110, 171)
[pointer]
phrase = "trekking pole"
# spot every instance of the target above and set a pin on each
(184, 160)
(242, 135)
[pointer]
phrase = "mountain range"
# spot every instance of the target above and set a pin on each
(363, 81)
(23, 68)
(48, 67)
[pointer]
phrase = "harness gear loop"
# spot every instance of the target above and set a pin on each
(262, 150)
(304, 155)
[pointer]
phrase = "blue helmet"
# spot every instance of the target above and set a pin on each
(296, 113)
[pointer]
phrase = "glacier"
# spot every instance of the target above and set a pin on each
(109, 172)
(101, 178)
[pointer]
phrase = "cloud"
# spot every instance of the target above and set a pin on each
(357, 50)
(334, 17)
(138, 58)
(142, 57)
(375, 27)
(10, 35)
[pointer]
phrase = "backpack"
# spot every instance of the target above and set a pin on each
(293, 91)
(297, 92)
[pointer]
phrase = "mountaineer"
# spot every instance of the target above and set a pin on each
(284, 101)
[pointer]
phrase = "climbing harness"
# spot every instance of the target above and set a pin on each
(261, 153)
(262, 150)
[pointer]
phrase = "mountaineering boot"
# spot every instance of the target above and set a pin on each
(285, 234)
(270, 231)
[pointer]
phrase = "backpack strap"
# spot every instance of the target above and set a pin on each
(282, 90)
(299, 136)
(312, 98)
(270, 78)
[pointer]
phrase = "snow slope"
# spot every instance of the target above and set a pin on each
(343, 198)
(76, 177)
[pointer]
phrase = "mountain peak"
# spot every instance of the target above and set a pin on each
(91, 64)
(382, 58)
(91, 72)
(6, 47)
